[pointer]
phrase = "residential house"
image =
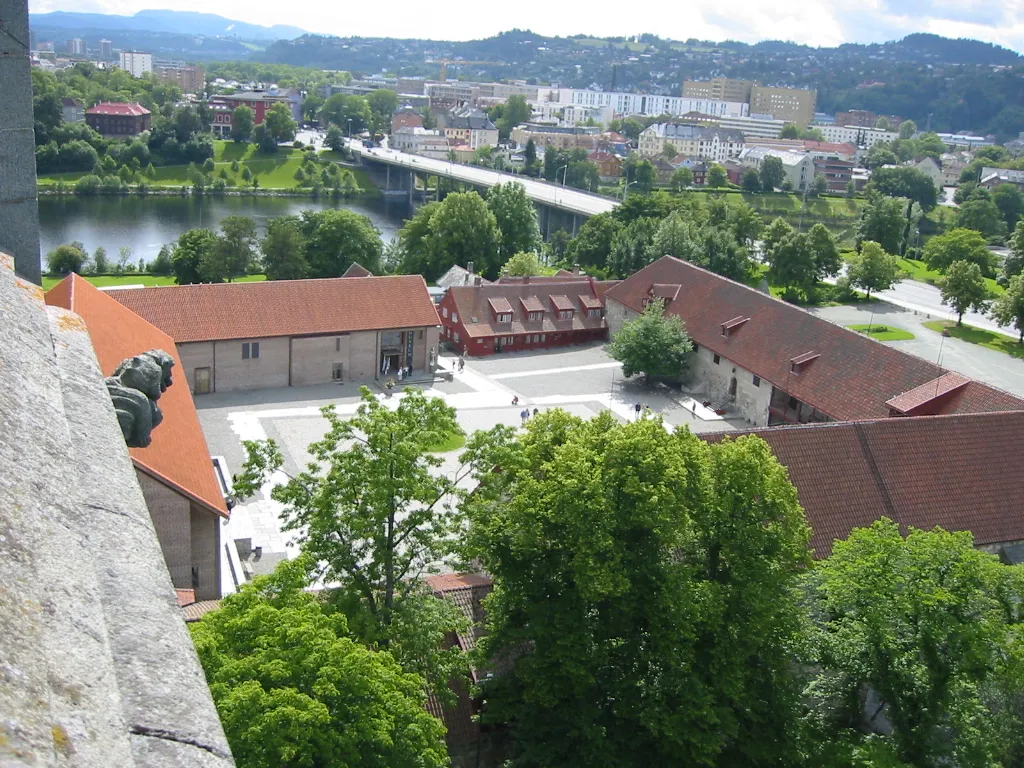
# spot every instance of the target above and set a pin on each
(118, 119)
(73, 109)
(700, 142)
(289, 333)
(797, 166)
(406, 117)
(421, 141)
(559, 137)
(261, 102)
(931, 169)
(472, 128)
(993, 177)
(522, 314)
(952, 166)
(776, 364)
(182, 491)
(664, 167)
(609, 166)
(457, 275)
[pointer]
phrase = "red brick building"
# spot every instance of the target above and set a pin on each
(118, 119)
(261, 102)
(406, 117)
(609, 166)
(524, 313)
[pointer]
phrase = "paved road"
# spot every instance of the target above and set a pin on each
(921, 297)
(555, 195)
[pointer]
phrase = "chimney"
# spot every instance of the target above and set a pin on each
(478, 280)
(576, 268)
(469, 267)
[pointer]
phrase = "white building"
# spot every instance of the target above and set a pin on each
(798, 166)
(852, 134)
(135, 63)
(556, 113)
(420, 141)
(693, 141)
(647, 104)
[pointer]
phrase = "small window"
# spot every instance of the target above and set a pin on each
(255, 349)
(565, 314)
(337, 371)
(419, 334)
(508, 341)
(444, 311)
(455, 317)
(456, 338)
(593, 313)
(716, 359)
(337, 344)
(543, 337)
(505, 318)
(245, 350)
(757, 381)
(792, 402)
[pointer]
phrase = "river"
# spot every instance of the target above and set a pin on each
(147, 223)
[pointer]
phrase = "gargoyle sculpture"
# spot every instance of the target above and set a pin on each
(135, 387)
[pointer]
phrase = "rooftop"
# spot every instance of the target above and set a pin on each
(118, 108)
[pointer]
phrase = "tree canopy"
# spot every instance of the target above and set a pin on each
(337, 238)
(516, 219)
(959, 244)
(964, 288)
(873, 269)
(523, 264)
(653, 343)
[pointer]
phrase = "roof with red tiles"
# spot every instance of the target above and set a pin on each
(185, 597)
(846, 375)
(123, 108)
(474, 306)
(961, 472)
(196, 611)
(215, 312)
(178, 455)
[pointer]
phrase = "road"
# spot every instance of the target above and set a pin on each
(555, 195)
(927, 299)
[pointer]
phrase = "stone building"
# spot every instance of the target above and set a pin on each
(118, 119)
(285, 333)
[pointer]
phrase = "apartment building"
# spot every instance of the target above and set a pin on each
(417, 140)
(262, 101)
(701, 142)
(470, 127)
(191, 79)
(792, 105)
(76, 47)
(624, 103)
(720, 89)
(136, 63)
(865, 138)
(106, 50)
(750, 127)
(797, 166)
(559, 137)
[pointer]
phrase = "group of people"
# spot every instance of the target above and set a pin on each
(641, 411)
(525, 413)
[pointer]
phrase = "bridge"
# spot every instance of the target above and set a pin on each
(577, 203)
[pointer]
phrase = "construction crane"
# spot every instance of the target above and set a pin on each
(458, 62)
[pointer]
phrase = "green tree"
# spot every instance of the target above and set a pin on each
(294, 689)
(775, 233)
(751, 181)
(334, 139)
(653, 343)
(413, 247)
(681, 179)
(928, 623)
(792, 263)
(981, 215)
(790, 131)
(1013, 264)
(593, 243)
(646, 176)
(907, 129)
(651, 576)
(194, 248)
(124, 257)
(522, 264)
(772, 173)
(337, 238)
(959, 245)
(243, 119)
(340, 108)
(827, 261)
(234, 253)
(1010, 202)
(819, 186)
(514, 112)
(516, 217)
(905, 181)
(556, 246)
(100, 263)
(883, 124)
(873, 269)
(463, 229)
(880, 154)
(284, 249)
(67, 258)
(163, 264)
(884, 221)
(631, 247)
(279, 123)
(676, 236)
(382, 103)
(1008, 307)
(717, 177)
(373, 509)
(964, 288)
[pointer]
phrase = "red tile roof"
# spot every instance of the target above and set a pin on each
(927, 393)
(221, 311)
(473, 305)
(851, 377)
(500, 305)
(196, 611)
(185, 597)
(962, 472)
(178, 455)
(118, 108)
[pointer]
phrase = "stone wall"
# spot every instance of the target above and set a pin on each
(99, 668)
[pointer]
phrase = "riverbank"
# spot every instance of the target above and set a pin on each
(129, 279)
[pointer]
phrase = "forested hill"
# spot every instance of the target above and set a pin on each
(963, 84)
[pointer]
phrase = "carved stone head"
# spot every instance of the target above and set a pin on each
(134, 388)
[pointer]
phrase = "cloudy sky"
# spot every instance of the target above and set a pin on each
(815, 22)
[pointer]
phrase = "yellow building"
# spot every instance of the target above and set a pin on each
(794, 105)
(719, 89)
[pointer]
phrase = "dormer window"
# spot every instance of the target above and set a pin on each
(565, 314)
(595, 312)
(800, 362)
(505, 317)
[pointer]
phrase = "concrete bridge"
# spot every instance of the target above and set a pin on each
(558, 207)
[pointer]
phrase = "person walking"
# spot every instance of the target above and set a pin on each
(535, 412)
(636, 411)
(462, 363)
(524, 415)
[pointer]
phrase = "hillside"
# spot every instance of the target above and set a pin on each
(168, 22)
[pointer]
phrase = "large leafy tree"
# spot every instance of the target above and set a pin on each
(772, 173)
(631, 247)
(284, 249)
(522, 264)
(644, 584)
(279, 123)
(717, 177)
(775, 233)
(959, 245)
(980, 213)
(905, 181)
(827, 261)
(234, 253)
(382, 103)
(930, 625)
(67, 258)
(1013, 264)
(193, 249)
(593, 243)
(676, 236)
(1010, 202)
(340, 108)
(294, 689)
(654, 344)
(964, 288)
(243, 119)
(792, 263)
(1008, 307)
(336, 238)
(884, 221)
(463, 229)
(414, 242)
(873, 269)
(516, 218)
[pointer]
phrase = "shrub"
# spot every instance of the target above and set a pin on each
(298, 144)
(89, 185)
(67, 258)
(208, 165)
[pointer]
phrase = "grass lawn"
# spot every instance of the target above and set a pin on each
(919, 271)
(453, 442)
(105, 281)
(996, 341)
(882, 332)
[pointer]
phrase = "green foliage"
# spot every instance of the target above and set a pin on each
(382, 103)
(243, 119)
(100, 263)
(873, 269)
(772, 172)
(459, 230)
(1008, 308)
(293, 689)
(193, 249)
(645, 175)
(522, 264)
(234, 253)
(654, 344)
(907, 129)
(791, 263)
(67, 258)
(340, 108)
(884, 221)
(651, 577)
(905, 181)
(593, 243)
(1013, 264)
(717, 177)
(508, 115)
(516, 218)
(682, 178)
(163, 264)
(964, 288)
(751, 181)
(284, 249)
(982, 215)
(631, 247)
(337, 238)
(1010, 202)
(959, 245)
(929, 624)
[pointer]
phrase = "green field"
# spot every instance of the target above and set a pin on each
(972, 335)
(452, 442)
(919, 271)
(276, 171)
(882, 332)
(105, 281)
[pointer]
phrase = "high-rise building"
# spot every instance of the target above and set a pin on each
(136, 63)
(106, 50)
(719, 89)
(794, 105)
(189, 79)
(76, 47)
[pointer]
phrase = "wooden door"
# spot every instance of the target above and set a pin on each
(202, 381)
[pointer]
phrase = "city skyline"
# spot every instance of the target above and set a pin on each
(822, 23)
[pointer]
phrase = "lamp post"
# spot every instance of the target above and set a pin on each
(566, 169)
(349, 127)
(625, 190)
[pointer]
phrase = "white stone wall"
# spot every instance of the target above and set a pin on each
(751, 401)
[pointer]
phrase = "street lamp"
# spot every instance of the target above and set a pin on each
(349, 126)
(566, 167)
(625, 190)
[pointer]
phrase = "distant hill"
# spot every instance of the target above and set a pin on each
(170, 22)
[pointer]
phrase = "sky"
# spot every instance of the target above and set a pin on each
(813, 22)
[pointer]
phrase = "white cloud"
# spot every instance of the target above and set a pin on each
(813, 22)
